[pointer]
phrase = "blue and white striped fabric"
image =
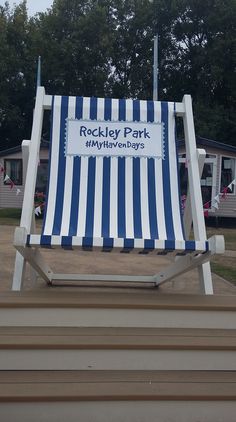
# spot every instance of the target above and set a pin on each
(111, 202)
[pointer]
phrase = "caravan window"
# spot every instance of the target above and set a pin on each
(228, 175)
(13, 169)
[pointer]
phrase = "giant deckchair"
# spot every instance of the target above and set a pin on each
(113, 186)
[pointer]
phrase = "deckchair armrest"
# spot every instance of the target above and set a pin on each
(20, 237)
(217, 244)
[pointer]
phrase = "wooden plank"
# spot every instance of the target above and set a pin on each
(94, 386)
(30, 376)
(108, 331)
(114, 298)
(102, 338)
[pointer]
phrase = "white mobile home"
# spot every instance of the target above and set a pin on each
(219, 171)
(13, 172)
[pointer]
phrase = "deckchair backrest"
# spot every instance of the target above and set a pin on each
(113, 197)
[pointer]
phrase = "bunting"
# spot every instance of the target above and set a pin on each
(216, 200)
(6, 178)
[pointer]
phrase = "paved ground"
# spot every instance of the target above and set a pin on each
(103, 263)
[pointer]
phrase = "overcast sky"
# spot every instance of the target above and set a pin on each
(33, 6)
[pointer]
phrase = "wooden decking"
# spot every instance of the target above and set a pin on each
(102, 338)
(52, 386)
(113, 354)
(115, 298)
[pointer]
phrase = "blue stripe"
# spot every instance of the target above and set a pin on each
(107, 111)
(106, 197)
(166, 175)
(76, 179)
(108, 243)
(90, 197)
(87, 242)
(152, 199)
(136, 110)
(61, 170)
(122, 110)
(190, 245)
(170, 245)
(150, 111)
(66, 242)
(136, 199)
(106, 181)
(93, 108)
(45, 240)
(128, 243)
(121, 198)
(152, 183)
(149, 244)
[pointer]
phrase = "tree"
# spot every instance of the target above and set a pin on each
(75, 38)
(204, 35)
(105, 48)
(15, 76)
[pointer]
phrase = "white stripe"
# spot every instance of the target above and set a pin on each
(83, 179)
(139, 243)
(159, 183)
(129, 110)
(179, 245)
(143, 111)
(159, 244)
(144, 198)
(35, 239)
(56, 240)
(114, 109)
(98, 241)
(118, 242)
(53, 166)
(174, 188)
(68, 178)
(144, 182)
(200, 245)
(129, 215)
(77, 241)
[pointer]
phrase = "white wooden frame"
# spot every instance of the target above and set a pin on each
(193, 212)
(212, 160)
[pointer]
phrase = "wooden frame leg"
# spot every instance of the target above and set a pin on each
(19, 271)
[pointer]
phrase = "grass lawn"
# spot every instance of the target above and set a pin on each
(227, 270)
(229, 234)
(10, 216)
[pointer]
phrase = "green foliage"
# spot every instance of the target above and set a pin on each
(10, 216)
(105, 47)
